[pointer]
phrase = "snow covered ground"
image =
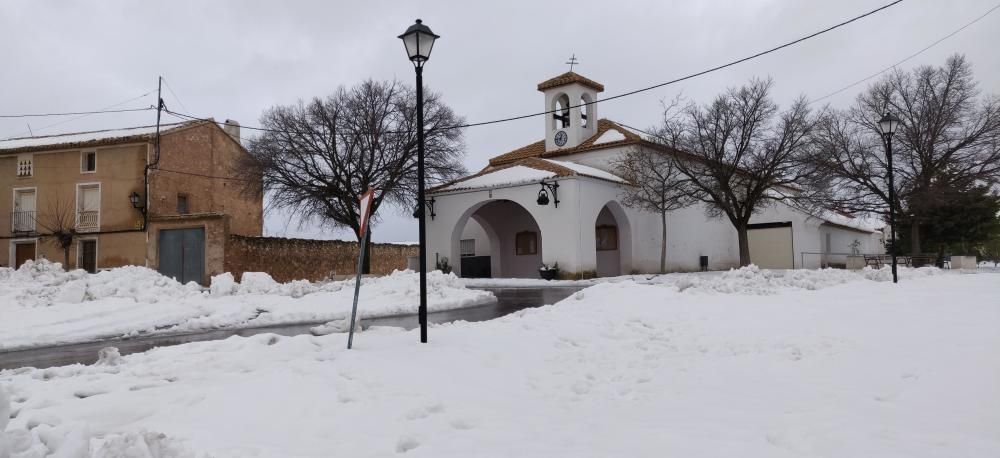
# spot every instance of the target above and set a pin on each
(745, 363)
(41, 305)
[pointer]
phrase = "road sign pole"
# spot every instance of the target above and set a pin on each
(357, 288)
(365, 207)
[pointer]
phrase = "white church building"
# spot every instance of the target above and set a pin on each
(557, 200)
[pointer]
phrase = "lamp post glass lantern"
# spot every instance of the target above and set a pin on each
(418, 41)
(887, 127)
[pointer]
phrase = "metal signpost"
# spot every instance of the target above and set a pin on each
(366, 207)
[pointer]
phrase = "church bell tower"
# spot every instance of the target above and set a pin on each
(570, 97)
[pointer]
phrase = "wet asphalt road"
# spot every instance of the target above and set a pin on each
(509, 300)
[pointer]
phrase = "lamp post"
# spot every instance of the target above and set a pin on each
(419, 40)
(887, 126)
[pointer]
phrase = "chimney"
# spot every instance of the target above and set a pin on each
(233, 129)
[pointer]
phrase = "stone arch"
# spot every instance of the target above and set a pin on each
(502, 220)
(613, 258)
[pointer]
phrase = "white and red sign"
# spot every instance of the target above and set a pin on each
(366, 209)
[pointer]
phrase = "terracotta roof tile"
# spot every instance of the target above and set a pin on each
(537, 149)
(570, 78)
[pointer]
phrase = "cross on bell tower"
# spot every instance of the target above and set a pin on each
(572, 61)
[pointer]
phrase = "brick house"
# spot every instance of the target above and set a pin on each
(176, 218)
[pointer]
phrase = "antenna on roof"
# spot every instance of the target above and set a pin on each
(572, 61)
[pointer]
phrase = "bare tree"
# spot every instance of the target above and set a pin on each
(318, 157)
(739, 155)
(949, 139)
(656, 186)
(59, 221)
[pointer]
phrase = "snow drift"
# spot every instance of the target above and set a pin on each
(41, 304)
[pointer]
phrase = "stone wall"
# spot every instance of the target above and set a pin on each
(296, 259)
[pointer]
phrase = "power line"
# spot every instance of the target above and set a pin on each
(178, 99)
(71, 113)
(921, 51)
(637, 91)
(102, 110)
(203, 175)
(911, 56)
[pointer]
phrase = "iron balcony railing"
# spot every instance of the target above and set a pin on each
(22, 221)
(87, 220)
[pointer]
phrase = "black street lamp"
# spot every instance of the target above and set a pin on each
(543, 194)
(887, 126)
(419, 40)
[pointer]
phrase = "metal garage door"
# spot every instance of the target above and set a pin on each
(771, 245)
(182, 254)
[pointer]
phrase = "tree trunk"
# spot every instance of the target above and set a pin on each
(914, 237)
(741, 231)
(66, 258)
(663, 245)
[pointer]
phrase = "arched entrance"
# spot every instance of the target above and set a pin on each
(613, 241)
(498, 239)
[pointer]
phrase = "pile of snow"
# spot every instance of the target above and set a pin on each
(40, 304)
(42, 283)
(752, 280)
(620, 369)
(745, 280)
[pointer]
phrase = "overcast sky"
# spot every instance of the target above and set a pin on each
(233, 59)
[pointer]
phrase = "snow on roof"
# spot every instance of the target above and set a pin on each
(81, 137)
(508, 176)
(609, 137)
(861, 224)
(585, 170)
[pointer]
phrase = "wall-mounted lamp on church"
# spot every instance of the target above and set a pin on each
(429, 204)
(543, 194)
(137, 203)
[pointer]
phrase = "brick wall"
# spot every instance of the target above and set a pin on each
(294, 259)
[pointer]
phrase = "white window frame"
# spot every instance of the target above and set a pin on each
(97, 251)
(13, 205)
(83, 155)
(12, 251)
(76, 205)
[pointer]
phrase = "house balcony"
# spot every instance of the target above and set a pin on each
(88, 221)
(22, 221)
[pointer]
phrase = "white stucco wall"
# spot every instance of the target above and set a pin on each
(567, 233)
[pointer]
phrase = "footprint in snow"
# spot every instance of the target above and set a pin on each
(405, 444)
(424, 412)
(462, 424)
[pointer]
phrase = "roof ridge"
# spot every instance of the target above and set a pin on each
(537, 149)
(64, 134)
(570, 77)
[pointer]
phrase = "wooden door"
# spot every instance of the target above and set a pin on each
(88, 255)
(23, 252)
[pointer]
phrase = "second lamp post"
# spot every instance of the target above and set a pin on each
(419, 40)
